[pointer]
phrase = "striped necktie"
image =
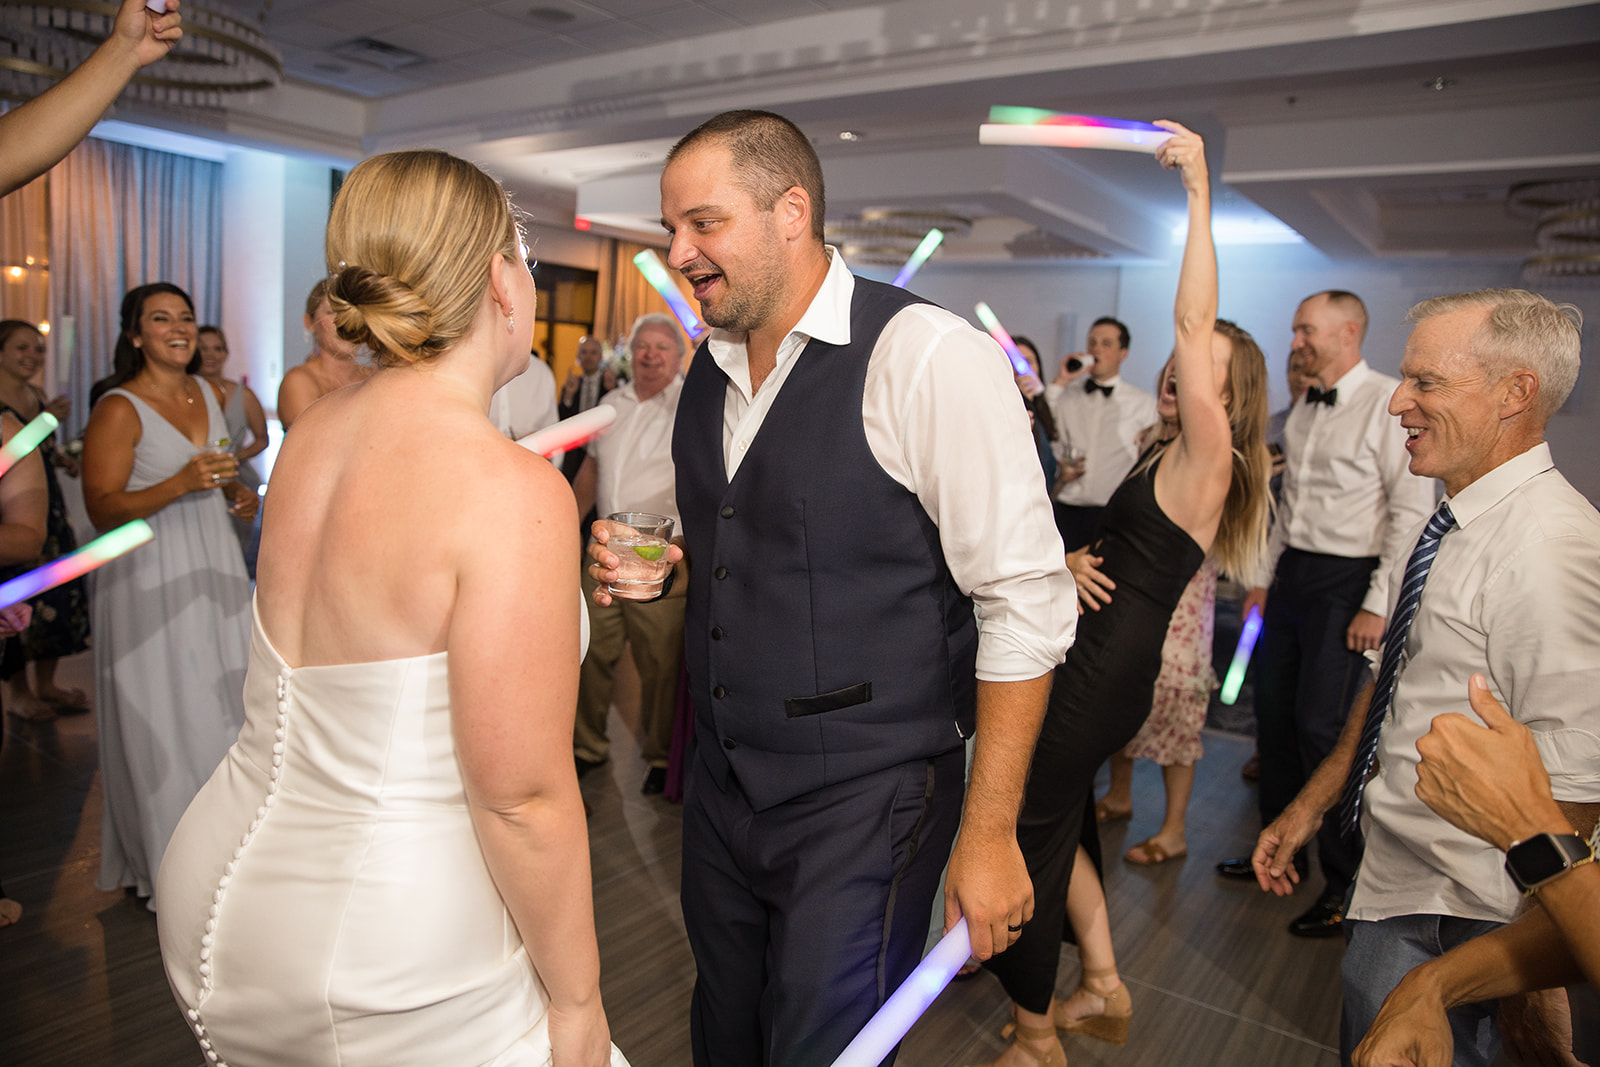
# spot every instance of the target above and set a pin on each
(1394, 643)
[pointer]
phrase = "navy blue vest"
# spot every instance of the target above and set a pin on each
(825, 636)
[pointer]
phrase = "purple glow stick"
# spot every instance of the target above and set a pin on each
(1019, 362)
(1241, 656)
(918, 258)
(906, 1005)
(102, 549)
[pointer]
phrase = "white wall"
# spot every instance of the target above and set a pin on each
(252, 265)
(1260, 286)
(307, 195)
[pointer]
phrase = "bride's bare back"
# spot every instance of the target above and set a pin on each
(385, 497)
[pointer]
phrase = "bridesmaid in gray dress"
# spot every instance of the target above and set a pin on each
(171, 619)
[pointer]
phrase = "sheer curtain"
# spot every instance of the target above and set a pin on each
(120, 217)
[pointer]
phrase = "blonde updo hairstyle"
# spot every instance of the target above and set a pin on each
(410, 239)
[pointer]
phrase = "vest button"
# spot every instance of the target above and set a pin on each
(719, 692)
(716, 633)
(727, 511)
(727, 742)
(720, 573)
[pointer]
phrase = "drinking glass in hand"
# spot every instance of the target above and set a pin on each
(639, 540)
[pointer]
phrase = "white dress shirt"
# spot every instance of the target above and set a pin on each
(1514, 595)
(633, 459)
(527, 403)
(944, 419)
(1106, 428)
(1346, 489)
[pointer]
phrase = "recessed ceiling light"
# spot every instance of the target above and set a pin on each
(850, 135)
(552, 15)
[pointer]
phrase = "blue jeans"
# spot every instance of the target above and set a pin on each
(1378, 954)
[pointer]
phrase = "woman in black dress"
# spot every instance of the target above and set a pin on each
(1203, 491)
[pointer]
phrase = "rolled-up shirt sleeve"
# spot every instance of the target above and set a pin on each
(944, 418)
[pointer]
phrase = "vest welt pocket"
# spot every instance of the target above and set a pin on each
(849, 696)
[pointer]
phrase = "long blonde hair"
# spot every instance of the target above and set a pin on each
(1241, 542)
(409, 243)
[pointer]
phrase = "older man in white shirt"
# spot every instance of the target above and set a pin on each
(1099, 416)
(629, 468)
(1347, 506)
(1504, 581)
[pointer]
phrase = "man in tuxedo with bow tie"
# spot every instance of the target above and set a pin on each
(1348, 504)
(1101, 417)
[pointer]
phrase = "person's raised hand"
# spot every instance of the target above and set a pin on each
(1184, 152)
(145, 35)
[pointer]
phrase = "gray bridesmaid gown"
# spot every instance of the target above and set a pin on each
(172, 641)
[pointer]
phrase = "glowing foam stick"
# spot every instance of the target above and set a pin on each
(1019, 362)
(1034, 126)
(655, 273)
(102, 549)
(1241, 655)
(906, 1004)
(27, 439)
(568, 434)
(918, 258)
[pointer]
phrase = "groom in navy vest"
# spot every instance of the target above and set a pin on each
(856, 476)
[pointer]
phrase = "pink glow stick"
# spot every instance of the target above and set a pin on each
(570, 433)
(102, 549)
(1057, 129)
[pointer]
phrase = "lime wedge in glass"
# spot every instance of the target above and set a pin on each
(650, 552)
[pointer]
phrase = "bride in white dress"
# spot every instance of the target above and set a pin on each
(391, 866)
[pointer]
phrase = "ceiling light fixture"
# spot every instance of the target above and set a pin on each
(220, 56)
(1438, 84)
(851, 135)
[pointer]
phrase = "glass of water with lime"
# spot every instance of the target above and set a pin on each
(639, 540)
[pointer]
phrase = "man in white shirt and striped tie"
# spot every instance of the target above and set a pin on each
(1348, 504)
(1502, 580)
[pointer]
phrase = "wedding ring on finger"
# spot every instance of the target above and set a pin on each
(1017, 929)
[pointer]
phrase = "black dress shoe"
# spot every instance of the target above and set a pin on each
(1237, 868)
(587, 765)
(1325, 919)
(655, 782)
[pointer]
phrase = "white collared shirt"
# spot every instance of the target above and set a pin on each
(633, 459)
(1346, 489)
(527, 403)
(1514, 595)
(1106, 428)
(944, 419)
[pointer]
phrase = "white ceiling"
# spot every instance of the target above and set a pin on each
(1371, 127)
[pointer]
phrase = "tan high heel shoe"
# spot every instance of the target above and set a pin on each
(1110, 1025)
(1056, 1056)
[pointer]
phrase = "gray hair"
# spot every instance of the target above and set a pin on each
(666, 322)
(1523, 331)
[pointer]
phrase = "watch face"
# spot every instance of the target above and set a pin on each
(1541, 858)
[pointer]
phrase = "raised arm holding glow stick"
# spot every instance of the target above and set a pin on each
(27, 439)
(1019, 362)
(1241, 656)
(906, 1004)
(571, 432)
(101, 550)
(924, 251)
(655, 273)
(1056, 129)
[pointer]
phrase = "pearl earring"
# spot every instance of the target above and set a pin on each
(511, 322)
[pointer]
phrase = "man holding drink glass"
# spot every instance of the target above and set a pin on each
(628, 475)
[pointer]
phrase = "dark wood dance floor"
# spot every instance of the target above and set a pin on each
(1215, 979)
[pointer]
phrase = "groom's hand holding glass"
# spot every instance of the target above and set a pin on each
(644, 540)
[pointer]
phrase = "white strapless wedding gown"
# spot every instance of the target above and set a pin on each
(324, 900)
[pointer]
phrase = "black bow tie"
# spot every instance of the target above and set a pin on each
(1091, 386)
(1317, 396)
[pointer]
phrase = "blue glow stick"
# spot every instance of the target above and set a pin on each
(102, 549)
(655, 273)
(1019, 362)
(918, 258)
(27, 439)
(906, 1005)
(1241, 656)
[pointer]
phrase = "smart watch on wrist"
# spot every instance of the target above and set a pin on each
(1540, 858)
